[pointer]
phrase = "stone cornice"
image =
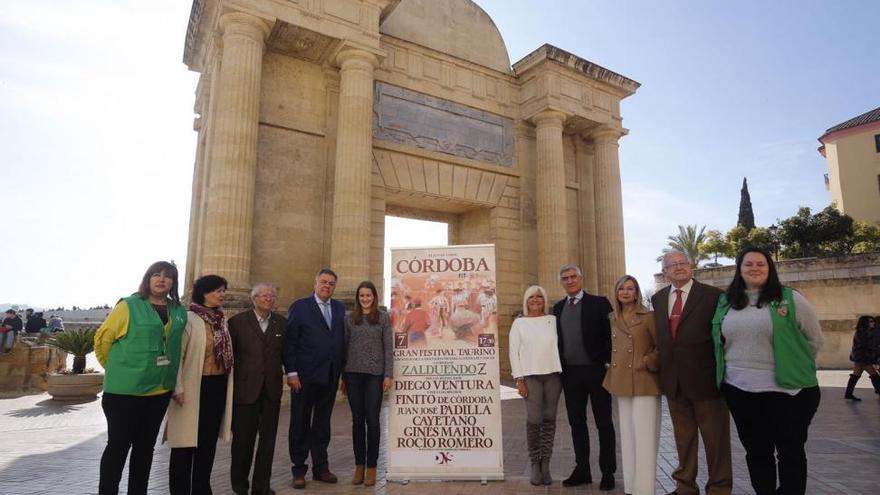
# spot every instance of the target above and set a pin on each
(549, 52)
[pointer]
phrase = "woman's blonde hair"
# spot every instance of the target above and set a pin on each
(531, 291)
(618, 308)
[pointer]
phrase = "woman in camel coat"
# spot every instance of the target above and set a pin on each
(632, 378)
(202, 406)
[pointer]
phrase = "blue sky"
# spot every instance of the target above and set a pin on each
(97, 147)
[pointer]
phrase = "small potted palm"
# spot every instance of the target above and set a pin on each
(78, 383)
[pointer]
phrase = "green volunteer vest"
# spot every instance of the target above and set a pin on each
(795, 361)
(131, 366)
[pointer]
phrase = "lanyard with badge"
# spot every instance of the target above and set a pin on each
(162, 359)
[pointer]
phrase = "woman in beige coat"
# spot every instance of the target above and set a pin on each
(632, 377)
(202, 406)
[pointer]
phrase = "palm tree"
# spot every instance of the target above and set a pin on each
(688, 241)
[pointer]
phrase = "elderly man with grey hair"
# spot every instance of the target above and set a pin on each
(584, 337)
(258, 339)
(683, 314)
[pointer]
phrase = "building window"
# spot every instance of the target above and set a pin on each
(877, 142)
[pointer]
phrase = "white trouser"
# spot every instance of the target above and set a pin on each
(639, 437)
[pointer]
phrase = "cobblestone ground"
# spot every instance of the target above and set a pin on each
(54, 448)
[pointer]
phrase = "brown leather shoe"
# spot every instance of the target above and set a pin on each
(370, 478)
(358, 476)
(299, 481)
(326, 477)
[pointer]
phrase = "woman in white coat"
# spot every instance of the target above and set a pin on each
(202, 405)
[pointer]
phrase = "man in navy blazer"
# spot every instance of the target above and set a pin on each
(314, 358)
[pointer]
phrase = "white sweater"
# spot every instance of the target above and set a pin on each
(533, 347)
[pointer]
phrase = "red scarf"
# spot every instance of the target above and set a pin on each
(222, 342)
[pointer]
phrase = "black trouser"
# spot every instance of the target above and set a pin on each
(774, 421)
(583, 384)
(310, 411)
(190, 468)
(365, 398)
(247, 420)
(132, 423)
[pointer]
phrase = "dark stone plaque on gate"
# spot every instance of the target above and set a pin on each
(415, 119)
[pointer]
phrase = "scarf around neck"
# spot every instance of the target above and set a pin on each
(222, 341)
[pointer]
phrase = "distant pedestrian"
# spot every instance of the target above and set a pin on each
(35, 323)
(139, 347)
(864, 355)
(10, 328)
(56, 324)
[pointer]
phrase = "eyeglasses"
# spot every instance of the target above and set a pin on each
(331, 283)
(681, 264)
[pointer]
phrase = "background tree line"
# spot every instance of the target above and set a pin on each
(803, 235)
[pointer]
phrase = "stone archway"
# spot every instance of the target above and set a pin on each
(316, 118)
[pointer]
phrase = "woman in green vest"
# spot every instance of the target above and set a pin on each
(139, 347)
(766, 339)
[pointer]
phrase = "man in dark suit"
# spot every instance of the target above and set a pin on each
(683, 314)
(314, 358)
(257, 345)
(585, 349)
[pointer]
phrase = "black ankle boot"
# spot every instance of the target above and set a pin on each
(875, 381)
(850, 385)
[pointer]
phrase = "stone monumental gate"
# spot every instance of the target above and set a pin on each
(316, 118)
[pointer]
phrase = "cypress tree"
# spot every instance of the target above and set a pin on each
(746, 216)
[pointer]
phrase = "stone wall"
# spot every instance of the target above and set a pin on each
(27, 367)
(841, 289)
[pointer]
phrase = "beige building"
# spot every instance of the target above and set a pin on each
(317, 118)
(852, 149)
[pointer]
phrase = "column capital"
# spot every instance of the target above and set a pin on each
(606, 134)
(243, 24)
(549, 117)
(349, 54)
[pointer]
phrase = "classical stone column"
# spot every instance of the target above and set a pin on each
(350, 244)
(611, 255)
(550, 191)
(587, 203)
(229, 209)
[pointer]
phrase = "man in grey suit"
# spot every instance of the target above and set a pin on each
(258, 339)
(683, 314)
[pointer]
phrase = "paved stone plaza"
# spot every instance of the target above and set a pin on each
(54, 448)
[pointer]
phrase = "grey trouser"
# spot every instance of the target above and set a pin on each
(544, 391)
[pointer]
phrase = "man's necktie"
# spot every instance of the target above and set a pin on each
(325, 309)
(675, 317)
(572, 300)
